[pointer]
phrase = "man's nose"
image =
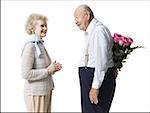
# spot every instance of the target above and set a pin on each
(76, 22)
(45, 28)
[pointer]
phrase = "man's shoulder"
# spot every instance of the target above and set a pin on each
(99, 27)
(99, 24)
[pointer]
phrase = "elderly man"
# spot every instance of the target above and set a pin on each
(96, 69)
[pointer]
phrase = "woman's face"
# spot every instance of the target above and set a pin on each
(40, 28)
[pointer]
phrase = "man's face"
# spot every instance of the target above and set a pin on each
(81, 19)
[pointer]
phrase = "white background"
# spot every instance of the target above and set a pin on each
(64, 42)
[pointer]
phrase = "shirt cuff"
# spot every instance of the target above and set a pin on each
(96, 85)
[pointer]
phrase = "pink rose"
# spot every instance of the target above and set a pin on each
(127, 43)
(130, 40)
(116, 39)
(117, 35)
(124, 39)
(121, 42)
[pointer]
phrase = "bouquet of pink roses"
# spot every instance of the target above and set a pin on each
(121, 49)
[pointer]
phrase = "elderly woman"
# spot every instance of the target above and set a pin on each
(37, 68)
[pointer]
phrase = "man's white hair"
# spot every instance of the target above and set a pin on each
(85, 8)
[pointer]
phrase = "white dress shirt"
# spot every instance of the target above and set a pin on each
(98, 43)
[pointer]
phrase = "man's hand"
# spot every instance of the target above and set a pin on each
(93, 95)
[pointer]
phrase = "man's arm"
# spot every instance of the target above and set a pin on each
(100, 54)
(101, 58)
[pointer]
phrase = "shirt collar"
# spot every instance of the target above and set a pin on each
(91, 25)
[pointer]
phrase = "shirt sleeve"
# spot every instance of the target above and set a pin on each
(27, 65)
(101, 58)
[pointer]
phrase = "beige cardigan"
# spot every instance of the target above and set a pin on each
(37, 79)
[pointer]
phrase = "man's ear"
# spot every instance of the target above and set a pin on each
(88, 15)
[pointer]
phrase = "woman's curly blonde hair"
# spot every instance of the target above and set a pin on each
(30, 24)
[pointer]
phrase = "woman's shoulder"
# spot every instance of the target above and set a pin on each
(29, 46)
